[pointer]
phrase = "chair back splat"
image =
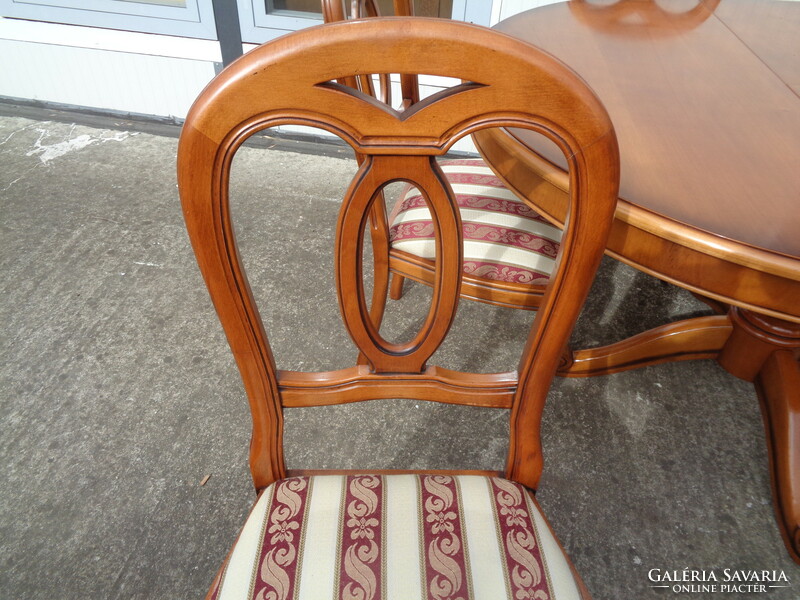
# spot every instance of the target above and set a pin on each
(296, 80)
(508, 247)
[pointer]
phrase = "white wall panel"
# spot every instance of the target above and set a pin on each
(102, 79)
(503, 9)
(109, 39)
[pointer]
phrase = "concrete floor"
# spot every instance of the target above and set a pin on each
(119, 394)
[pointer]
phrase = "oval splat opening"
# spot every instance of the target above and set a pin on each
(400, 237)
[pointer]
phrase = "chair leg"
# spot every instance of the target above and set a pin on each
(396, 290)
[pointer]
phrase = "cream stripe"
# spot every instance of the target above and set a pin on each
(423, 579)
(384, 498)
(319, 557)
(463, 188)
(415, 214)
(477, 169)
(471, 215)
(483, 252)
(337, 571)
(562, 583)
(402, 543)
(488, 578)
(462, 535)
(476, 189)
(423, 247)
(241, 565)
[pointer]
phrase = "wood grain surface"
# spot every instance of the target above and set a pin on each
(708, 117)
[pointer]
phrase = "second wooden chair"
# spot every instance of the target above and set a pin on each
(509, 249)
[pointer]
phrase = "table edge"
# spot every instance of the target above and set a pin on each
(734, 252)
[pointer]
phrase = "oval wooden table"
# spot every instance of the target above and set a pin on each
(705, 99)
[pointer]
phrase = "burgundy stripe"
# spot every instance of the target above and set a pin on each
(499, 205)
(513, 238)
(471, 162)
(493, 234)
(507, 273)
(360, 561)
(217, 586)
(488, 179)
(443, 539)
(518, 537)
(476, 202)
(412, 230)
(277, 560)
(409, 202)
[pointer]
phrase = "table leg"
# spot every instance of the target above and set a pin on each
(765, 350)
(690, 339)
(751, 346)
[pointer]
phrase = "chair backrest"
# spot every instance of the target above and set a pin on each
(293, 80)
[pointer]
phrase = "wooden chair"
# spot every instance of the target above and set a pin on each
(419, 534)
(509, 249)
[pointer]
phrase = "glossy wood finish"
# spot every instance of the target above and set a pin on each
(754, 338)
(710, 155)
(690, 339)
(765, 350)
(705, 97)
(778, 386)
(403, 265)
(355, 384)
(294, 79)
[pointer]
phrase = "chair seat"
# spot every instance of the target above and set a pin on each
(407, 537)
(504, 239)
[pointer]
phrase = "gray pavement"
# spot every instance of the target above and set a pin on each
(119, 394)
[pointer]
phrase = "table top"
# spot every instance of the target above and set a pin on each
(705, 99)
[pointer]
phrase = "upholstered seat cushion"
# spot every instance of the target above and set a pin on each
(403, 537)
(504, 239)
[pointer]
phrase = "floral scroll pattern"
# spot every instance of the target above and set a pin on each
(496, 220)
(478, 202)
(445, 562)
(480, 233)
(360, 576)
(371, 537)
(522, 553)
(276, 578)
(500, 272)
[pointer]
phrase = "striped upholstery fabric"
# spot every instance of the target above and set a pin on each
(396, 537)
(504, 239)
